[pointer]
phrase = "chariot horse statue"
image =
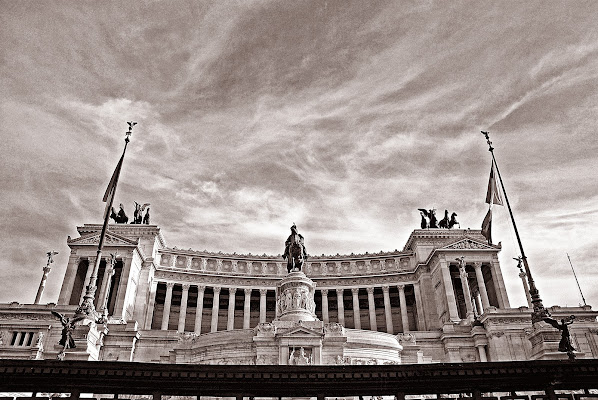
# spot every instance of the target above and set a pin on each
(294, 251)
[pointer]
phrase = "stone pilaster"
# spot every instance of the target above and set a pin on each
(421, 319)
(150, 306)
(466, 292)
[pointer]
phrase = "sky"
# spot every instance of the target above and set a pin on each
(344, 117)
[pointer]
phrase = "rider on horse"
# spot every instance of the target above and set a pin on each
(294, 251)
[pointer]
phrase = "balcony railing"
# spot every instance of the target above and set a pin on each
(467, 380)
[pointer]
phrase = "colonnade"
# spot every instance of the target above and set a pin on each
(475, 300)
(246, 315)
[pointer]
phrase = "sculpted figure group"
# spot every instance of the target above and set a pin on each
(429, 219)
(121, 217)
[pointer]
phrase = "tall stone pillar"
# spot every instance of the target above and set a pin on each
(356, 311)
(325, 316)
(403, 304)
(340, 306)
(167, 303)
(481, 285)
(42, 284)
(105, 286)
(149, 316)
(123, 286)
(247, 308)
(263, 293)
(387, 309)
(523, 277)
(230, 322)
(466, 292)
(183, 312)
(215, 309)
(69, 280)
(449, 291)
(421, 319)
(90, 264)
(372, 309)
(501, 290)
(199, 310)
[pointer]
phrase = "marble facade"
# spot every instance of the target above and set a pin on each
(417, 305)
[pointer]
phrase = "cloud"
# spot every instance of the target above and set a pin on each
(343, 117)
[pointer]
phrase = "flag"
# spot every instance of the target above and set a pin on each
(111, 189)
(487, 226)
(493, 195)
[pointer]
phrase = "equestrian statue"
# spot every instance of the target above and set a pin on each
(429, 219)
(294, 250)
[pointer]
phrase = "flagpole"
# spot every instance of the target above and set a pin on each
(87, 308)
(539, 311)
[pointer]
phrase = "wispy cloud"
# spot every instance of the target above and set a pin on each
(343, 117)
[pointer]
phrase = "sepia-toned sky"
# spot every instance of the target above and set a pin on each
(344, 117)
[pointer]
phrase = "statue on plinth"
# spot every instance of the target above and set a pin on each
(68, 326)
(565, 345)
(294, 251)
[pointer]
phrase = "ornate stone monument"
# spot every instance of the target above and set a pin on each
(295, 298)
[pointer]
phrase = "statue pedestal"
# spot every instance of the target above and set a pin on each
(295, 298)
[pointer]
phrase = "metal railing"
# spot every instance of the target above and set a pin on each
(465, 380)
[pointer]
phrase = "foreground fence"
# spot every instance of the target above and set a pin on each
(547, 379)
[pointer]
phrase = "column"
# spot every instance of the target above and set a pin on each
(403, 304)
(356, 313)
(481, 284)
(372, 309)
(199, 310)
(90, 264)
(42, 284)
(183, 312)
(523, 277)
(167, 303)
(247, 308)
(482, 352)
(69, 280)
(149, 316)
(215, 308)
(340, 305)
(325, 305)
(230, 323)
(449, 292)
(466, 292)
(387, 309)
(105, 286)
(501, 291)
(421, 320)
(263, 305)
(121, 291)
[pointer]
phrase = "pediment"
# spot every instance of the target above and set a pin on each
(111, 239)
(468, 243)
(302, 332)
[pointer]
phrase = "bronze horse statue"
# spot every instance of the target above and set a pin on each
(294, 251)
